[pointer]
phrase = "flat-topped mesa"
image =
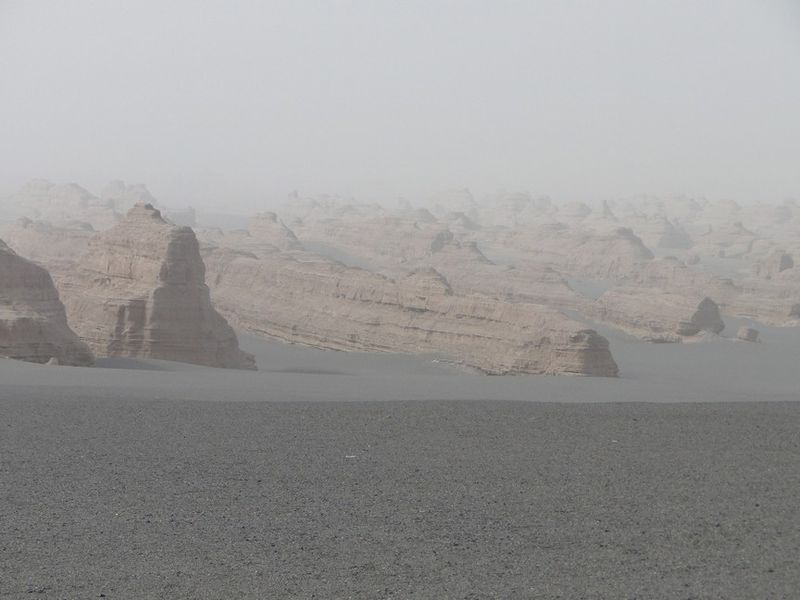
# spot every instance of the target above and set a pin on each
(139, 291)
(656, 315)
(33, 324)
(310, 300)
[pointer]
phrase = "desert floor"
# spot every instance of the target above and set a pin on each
(333, 475)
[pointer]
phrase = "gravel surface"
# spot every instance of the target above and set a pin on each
(137, 498)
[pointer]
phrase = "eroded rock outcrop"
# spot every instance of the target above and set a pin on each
(33, 323)
(305, 298)
(748, 334)
(658, 316)
(139, 291)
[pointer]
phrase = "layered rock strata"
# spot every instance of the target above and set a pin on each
(305, 298)
(33, 323)
(139, 291)
(658, 316)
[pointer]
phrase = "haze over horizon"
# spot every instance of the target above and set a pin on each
(234, 105)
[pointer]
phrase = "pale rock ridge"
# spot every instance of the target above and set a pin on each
(139, 291)
(656, 315)
(305, 298)
(33, 323)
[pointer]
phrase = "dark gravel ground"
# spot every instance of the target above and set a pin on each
(126, 498)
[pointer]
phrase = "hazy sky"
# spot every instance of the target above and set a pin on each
(235, 103)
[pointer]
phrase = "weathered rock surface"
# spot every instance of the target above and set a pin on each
(656, 315)
(55, 247)
(748, 334)
(33, 323)
(139, 291)
(305, 298)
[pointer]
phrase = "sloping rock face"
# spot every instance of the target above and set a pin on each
(140, 291)
(33, 324)
(656, 315)
(305, 298)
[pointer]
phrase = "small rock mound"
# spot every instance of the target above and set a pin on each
(748, 334)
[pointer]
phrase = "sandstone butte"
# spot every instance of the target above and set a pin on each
(139, 291)
(33, 324)
(305, 298)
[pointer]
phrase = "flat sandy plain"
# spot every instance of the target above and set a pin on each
(334, 475)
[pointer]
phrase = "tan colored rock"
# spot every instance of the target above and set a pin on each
(611, 253)
(54, 247)
(33, 324)
(305, 298)
(748, 334)
(395, 245)
(656, 315)
(139, 291)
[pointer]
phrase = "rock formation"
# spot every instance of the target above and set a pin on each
(139, 291)
(62, 205)
(33, 324)
(776, 262)
(305, 298)
(124, 196)
(52, 246)
(747, 334)
(656, 315)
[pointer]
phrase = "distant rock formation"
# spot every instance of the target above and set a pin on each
(304, 298)
(656, 315)
(124, 196)
(266, 227)
(748, 334)
(139, 291)
(776, 262)
(49, 245)
(33, 324)
(63, 205)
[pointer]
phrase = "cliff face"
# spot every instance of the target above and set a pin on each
(139, 290)
(304, 298)
(33, 324)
